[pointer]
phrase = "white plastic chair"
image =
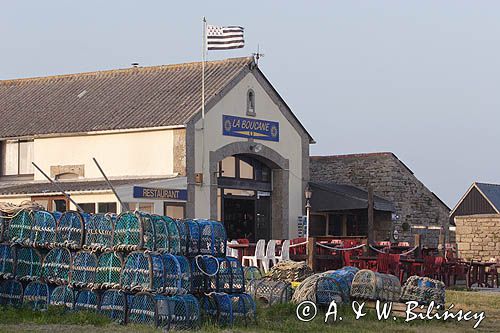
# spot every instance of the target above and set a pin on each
(259, 254)
(230, 252)
(285, 251)
(270, 255)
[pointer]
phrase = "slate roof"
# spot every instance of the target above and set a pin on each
(139, 97)
(69, 186)
(492, 193)
(336, 197)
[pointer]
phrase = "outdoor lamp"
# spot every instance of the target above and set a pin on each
(308, 193)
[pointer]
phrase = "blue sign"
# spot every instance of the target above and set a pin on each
(251, 128)
(159, 193)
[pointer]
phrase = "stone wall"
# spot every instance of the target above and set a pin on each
(478, 236)
(419, 210)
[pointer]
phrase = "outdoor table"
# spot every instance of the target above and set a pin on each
(476, 274)
(367, 262)
(412, 266)
(240, 248)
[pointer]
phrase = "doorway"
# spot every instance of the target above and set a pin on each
(239, 218)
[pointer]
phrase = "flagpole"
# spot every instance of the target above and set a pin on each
(203, 51)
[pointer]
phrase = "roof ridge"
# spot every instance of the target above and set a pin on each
(118, 71)
(382, 153)
(492, 184)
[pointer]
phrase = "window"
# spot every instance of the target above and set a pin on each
(228, 167)
(17, 156)
(106, 207)
(146, 207)
(244, 167)
(251, 103)
(53, 203)
(246, 170)
(67, 176)
(88, 207)
(174, 210)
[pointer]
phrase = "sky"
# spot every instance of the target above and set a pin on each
(420, 79)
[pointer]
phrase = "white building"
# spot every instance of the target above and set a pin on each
(245, 163)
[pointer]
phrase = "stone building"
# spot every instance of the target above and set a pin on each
(417, 210)
(246, 154)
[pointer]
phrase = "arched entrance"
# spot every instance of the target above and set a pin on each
(249, 191)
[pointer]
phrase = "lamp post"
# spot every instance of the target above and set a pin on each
(308, 195)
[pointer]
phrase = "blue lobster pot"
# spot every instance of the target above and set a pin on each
(36, 295)
(63, 296)
(87, 300)
(114, 305)
(43, 231)
(11, 293)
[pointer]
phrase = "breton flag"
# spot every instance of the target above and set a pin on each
(224, 38)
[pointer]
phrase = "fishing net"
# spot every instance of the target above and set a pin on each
(212, 238)
(87, 299)
(183, 236)
(423, 290)
(142, 309)
(114, 305)
(244, 309)
(270, 291)
(174, 240)
(290, 271)
(192, 237)
(43, 230)
(70, 231)
(11, 293)
(84, 269)
(173, 277)
(99, 232)
(28, 264)
(161, 233)
(109, 267)
(63, 296)
(7, 261)
(19, 231)
(252, 273)
(184, 312)
(36, 295)
(370, 285)
(56, 266)
(143, 272)
(133, 231)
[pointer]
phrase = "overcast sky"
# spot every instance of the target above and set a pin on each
(417, 78)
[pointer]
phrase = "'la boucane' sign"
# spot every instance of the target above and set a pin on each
(250, 128)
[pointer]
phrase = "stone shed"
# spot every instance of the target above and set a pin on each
(417, 209)
(478, 236)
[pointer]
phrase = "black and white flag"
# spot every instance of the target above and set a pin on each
(224, 38)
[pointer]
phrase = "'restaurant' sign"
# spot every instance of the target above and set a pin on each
(250, 128)
(159, 193)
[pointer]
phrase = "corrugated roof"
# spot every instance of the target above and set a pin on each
(336, 197)
(492, 193)
(108, 100)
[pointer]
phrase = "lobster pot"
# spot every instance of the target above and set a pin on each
(270, 291)
(43, 230)
(173, 274)
(109, 267)
(211, 274)
(99, 232)
(161, 233)
(174, 240)
(183, 236)
(19, 231)
(56, 266)
(36, 295)
(183, 312)
(133, 231)
(218, 306)
(83, 269)
(70, 231)
(11, 293)
(63, 296)
(237, 275)
(114, 305)
(375, 286)
(252, 273)
(192, 237)
(143, 271)
(4, 226)
(28, 264)
(244, 309)
(212, 238)
(87, 299)
(335, 285)
(185, 274)
(7, 261)
(142, 309)
(423, 290)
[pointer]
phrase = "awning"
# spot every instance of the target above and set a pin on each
(329, 197)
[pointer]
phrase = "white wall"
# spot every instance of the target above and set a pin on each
(133, 154)
(289, 145)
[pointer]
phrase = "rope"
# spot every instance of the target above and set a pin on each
(299, 244)
(409, 251)
(377, 250)
(340, 248)
(203, 271)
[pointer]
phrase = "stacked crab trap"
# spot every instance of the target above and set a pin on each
(134, 268)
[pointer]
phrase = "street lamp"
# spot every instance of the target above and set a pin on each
(308, 195)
